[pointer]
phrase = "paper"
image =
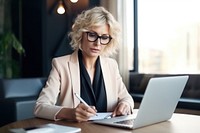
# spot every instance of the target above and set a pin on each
(100, 116)
(47, 128)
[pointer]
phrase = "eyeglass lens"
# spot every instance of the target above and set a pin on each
(93, 36)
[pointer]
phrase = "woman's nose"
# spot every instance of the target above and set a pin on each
(98, 41)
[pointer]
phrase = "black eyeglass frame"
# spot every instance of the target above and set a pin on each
(98, 37)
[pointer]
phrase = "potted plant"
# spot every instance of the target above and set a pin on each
(9, 67)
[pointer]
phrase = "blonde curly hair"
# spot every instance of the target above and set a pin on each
(96, 16)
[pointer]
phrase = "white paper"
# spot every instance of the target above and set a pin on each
(100, 116)
(47, 128)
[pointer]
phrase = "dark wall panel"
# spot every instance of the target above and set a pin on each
(32, 38)
(44, 33)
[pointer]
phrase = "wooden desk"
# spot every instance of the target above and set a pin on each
(179, 123)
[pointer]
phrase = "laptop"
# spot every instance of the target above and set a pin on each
(158, 104)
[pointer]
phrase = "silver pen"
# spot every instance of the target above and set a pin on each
(82, 100)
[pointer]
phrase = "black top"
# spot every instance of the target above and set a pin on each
(94, 95)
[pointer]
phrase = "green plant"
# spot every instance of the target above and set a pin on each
(9, 67)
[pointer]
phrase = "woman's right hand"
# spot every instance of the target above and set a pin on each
(80, 113)
(83, 112)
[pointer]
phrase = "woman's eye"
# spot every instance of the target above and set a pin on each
(92, 34)
(104, 37)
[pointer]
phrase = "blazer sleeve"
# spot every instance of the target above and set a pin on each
(123, 94)
(115, 88)
(46, 103)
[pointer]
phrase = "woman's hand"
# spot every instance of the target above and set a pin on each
(80, 113)
(83, 112)
(121, 109)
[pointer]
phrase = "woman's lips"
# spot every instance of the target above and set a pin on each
(95, 50)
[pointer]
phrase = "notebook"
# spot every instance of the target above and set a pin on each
(47, 128)
(158, 104)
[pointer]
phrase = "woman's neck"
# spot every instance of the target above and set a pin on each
(89, 62)
(90, 65)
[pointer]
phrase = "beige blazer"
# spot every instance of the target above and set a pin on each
(64, 81)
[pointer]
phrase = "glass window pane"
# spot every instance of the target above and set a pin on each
(169, 36)
(129, 28)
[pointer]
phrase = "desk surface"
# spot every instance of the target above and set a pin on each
(179, 123)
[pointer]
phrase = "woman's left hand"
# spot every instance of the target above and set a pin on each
(121, 109)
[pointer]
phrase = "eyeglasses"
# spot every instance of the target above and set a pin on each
(93, 36)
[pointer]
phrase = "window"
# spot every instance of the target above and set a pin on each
(168, 36)
(129, 28)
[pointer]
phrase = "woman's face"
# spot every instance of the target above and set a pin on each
(91, 45)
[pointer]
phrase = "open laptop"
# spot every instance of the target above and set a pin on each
(158, 104)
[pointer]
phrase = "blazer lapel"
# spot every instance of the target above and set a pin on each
(75, 76)
(107, 80)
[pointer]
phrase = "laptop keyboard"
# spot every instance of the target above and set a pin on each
(126, 122)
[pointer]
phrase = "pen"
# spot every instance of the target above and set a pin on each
(82, 100)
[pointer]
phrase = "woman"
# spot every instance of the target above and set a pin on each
(88, 71)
